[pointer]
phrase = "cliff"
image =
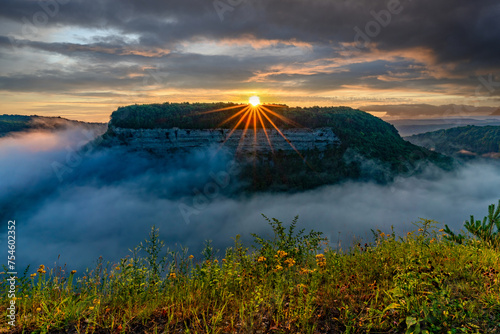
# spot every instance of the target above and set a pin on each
(164, 141)
(335, 143)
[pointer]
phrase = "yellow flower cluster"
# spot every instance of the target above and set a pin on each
(290, 262)
(321, 260)
(172, 275)
(304, 271)
(282, 254)
(191, 257)
(261, 259)
(278, 267)
(73, 272)
(41, 269)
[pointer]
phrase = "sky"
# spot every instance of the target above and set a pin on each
(82, 59)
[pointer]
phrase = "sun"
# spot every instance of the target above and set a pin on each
(254, 100)
(255, 115)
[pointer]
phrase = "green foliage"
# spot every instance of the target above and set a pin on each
(487, 231)
(296, 245)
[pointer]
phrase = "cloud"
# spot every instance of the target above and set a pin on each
(109, 199)
(423, 48)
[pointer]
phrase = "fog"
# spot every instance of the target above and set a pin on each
(77, 201)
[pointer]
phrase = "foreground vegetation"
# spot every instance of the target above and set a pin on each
(428, 281)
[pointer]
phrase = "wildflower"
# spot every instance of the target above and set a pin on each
(117, 268)
(261, 259)
(224, 260)
(304, 271)
(420, 229)
(33, 275)
(320, 260)
(278, 267)
(96, 301)
(41, 269)
(303, 286)
(191, 257)
(129, 265)
(432, 240)
(38, 309)
(282, 253)
(207, 262)
(172, 275)
(382, 234)
(290, 262)
(441, 230)
(91, 308)
(73, 272)
(216, 261)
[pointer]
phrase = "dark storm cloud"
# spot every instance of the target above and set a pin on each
(458, 30)
(444, 45)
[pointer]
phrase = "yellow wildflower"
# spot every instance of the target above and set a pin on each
(117, 268)
(172, 275)
(38, 309)
(73, 272)
(290, 262)
(282, 253)
(420, 229)
(441, 230)
(91, 308)
(261, 259)
(191, 257)
(320, 260)
(278, 267)
(33, 275)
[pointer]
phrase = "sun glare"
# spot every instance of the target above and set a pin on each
(254, 100)
(255, 115)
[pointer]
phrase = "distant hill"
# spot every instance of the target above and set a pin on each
(369, 147)
(17, 123)
(465, 141)
(496, 112)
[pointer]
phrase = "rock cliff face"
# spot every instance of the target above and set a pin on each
(164, 141)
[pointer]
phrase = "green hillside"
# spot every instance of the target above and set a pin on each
(363, 138)
(478, 140)
(13, 123)
(17, 123)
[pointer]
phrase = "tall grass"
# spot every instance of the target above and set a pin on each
(293, 283)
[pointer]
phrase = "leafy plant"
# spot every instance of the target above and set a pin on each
(296, 244)
(487, 231)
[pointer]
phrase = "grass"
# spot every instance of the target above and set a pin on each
(292, 283)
